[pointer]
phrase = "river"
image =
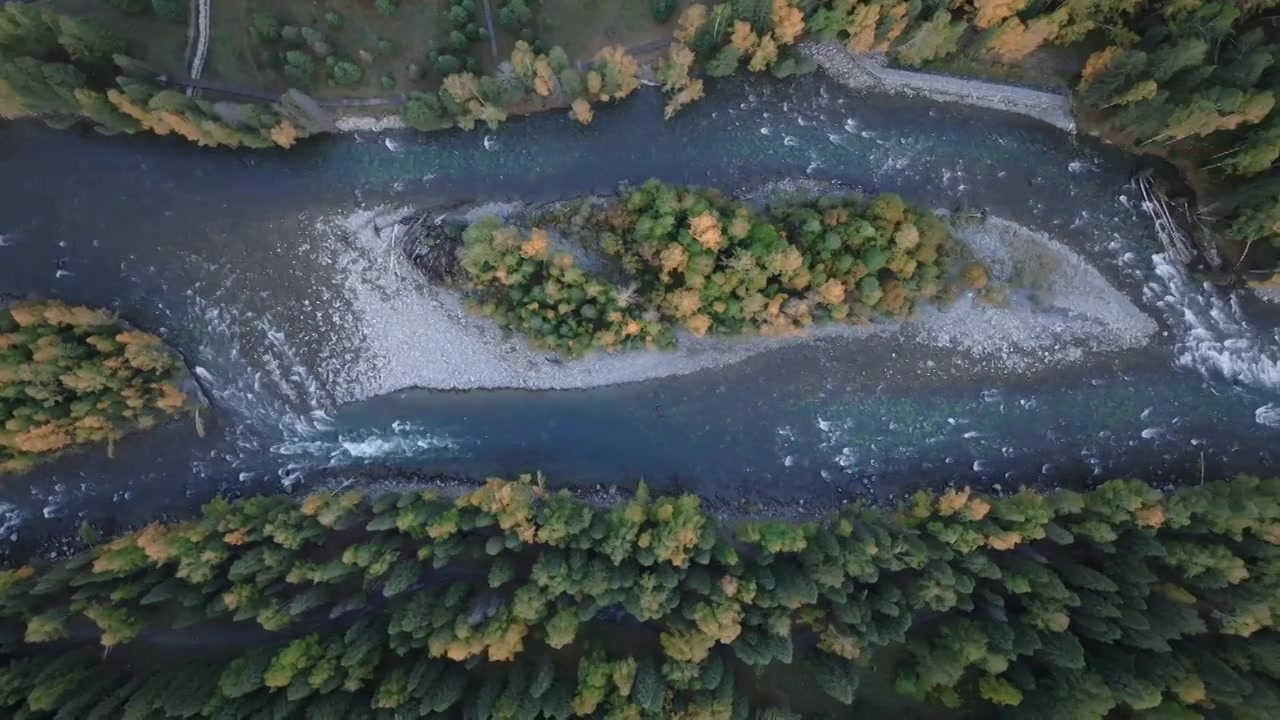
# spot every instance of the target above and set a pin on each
(219, 252)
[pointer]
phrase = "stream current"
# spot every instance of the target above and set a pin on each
(227, 256)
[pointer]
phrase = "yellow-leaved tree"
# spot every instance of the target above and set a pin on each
(691, 20)
(743, 37)
(580, 110)
(619, 72)
(674, 69)
(1014, 39)
(788, 22)
(989, 13)
(766, 52)
(862, 28)
(689, 93)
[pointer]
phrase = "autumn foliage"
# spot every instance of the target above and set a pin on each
(694, 259)
(504, 601)
(71, 376)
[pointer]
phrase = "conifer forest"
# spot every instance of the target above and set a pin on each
(639, 359)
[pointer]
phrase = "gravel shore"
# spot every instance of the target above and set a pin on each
(419, 335)
(870, 73)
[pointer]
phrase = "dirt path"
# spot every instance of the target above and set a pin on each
(488, 21)
(201, 44)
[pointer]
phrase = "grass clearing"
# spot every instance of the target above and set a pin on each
(582, 27)
(237, 57)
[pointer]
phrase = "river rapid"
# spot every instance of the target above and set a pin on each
(227, 256)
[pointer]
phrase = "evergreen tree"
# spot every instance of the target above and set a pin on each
(89, 41)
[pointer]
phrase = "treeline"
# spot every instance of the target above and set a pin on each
(71, 376)
(1194, 77)
(66, 70)
(534, 81)
(691, 257)
(509, 601)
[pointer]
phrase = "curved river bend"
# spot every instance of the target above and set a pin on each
(221, 253)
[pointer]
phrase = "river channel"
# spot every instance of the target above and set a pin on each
(222, 253)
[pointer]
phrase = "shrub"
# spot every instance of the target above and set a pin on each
(459, 16)
(458, 41)
(71, 375)
(311, 35)
(387, 81)
(266, 27)
(514, 15)
(333, 20)
(299, 68)
(424, 111)
(662, 10)
(387, 7)
(385, 47)
(448, 65)
(346, 73)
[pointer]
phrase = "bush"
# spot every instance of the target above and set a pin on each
(175, 11)
(311, 35)
(299, 68)
(266, 27)
(459, 16)
(424, 111)
(448, 65)
(458, 41)
(387, 7)
(514, 15)
(333, 20)
(71, 376)
(346, 73)
(662, 10)
(712, 265)
(388, 82)
(385, 47)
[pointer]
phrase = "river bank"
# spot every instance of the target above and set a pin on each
(867, 72)
(871, 72)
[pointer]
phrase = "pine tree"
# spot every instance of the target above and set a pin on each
(89, 41)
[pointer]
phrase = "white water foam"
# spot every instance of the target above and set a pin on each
(11, 519)
(1214, 337)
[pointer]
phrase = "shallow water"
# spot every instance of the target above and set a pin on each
(219, 251)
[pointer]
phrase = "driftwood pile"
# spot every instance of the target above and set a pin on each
(430, 244)
(1183, 233)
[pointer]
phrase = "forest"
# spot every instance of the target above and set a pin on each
(692, 258)
(67, 71)
(508, 600)
(71, 376)
(1194, 81)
